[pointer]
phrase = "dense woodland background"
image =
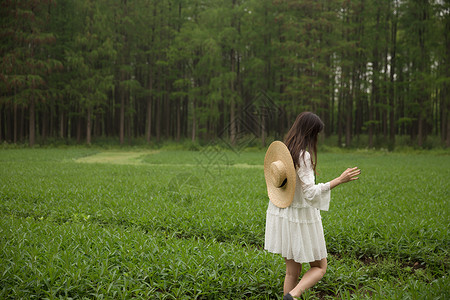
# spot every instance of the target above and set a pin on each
(201, 69)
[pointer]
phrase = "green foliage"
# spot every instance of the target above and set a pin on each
(190, 225)
(89, 57)
(187, 69)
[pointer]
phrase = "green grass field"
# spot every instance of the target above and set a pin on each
(152, 224)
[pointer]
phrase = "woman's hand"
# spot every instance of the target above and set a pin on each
(347, 176)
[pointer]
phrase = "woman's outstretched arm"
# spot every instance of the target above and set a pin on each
(347, 176)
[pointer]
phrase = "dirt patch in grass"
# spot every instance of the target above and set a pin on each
(116, 157)
(247, 166)
(137, 158)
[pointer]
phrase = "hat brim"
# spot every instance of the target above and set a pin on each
(280, 197)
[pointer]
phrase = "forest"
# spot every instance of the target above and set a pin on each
(200, 70)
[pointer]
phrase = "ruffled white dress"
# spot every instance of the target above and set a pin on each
(296, 231)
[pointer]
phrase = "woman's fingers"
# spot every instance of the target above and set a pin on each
(354, 178)
(354, 172)
(351, 173)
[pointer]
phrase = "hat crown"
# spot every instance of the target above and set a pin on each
(278, 171)
(280, 175)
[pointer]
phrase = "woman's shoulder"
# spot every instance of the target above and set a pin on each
(304, 160)
(306, 155)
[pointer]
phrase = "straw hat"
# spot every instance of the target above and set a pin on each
(280, 174)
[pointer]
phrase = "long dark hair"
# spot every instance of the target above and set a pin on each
(303, 137)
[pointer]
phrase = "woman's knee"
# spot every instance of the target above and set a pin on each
(321, 265)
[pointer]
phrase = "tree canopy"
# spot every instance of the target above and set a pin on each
(195, 69)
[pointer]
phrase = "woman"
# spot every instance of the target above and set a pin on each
(296, 231)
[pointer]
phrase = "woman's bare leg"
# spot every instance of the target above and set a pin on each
(311, 277)
(293, 270)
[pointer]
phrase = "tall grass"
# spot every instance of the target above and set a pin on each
(190, 225)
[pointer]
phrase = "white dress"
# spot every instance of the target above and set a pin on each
(296, 231)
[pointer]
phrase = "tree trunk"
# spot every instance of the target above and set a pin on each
(129, 120)
(348, 123)
(233, 89)
(375, 82)
(7, 129)
(232, 123)
(332, 105)
(385, 98)
(349, 110)
(178, 120)
(148, 129)
(339, 119)
(447, 141)
(44, 128)
(79, 127)
(158, 119)
(1, 124)
(392, 126)
(88, 125)
(167, 116)
(232, 104)
(15, 123)
(32, 125)
(420, 130)
(61, 124)
(122, 117)
(446, 88)
(422, 96)
(51, 127)
(22, 124)
(194, 121)
(384, 111)
(263, 130)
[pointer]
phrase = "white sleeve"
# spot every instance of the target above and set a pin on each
(316, 195)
